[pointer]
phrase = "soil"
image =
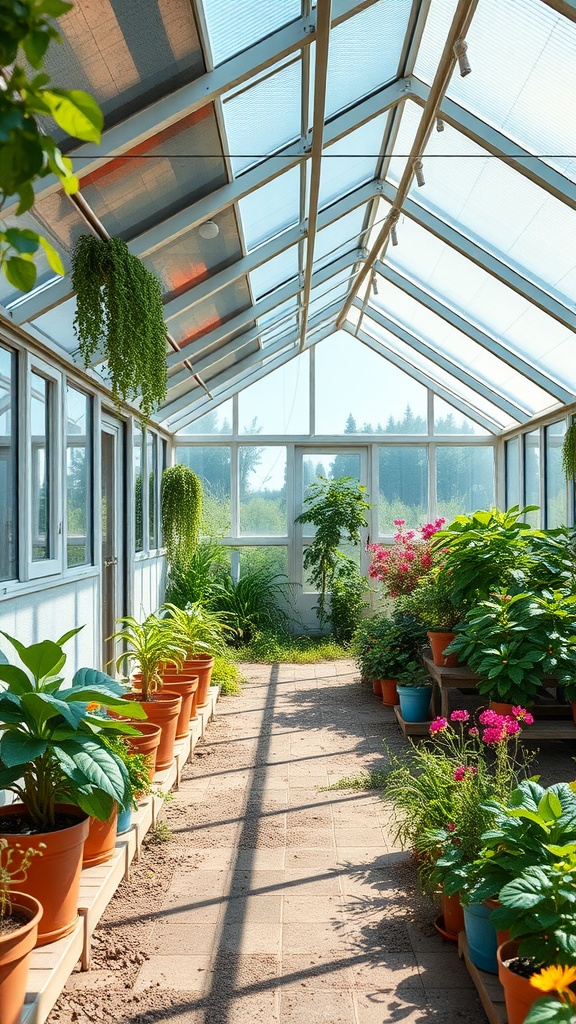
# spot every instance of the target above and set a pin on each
(521, 965)
(12, 922)
(21, 825)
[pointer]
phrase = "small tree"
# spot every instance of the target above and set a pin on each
(336, 508)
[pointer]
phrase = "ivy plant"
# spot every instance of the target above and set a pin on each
(569, 452)
(181, 499)
(27, 152)
(120, 316)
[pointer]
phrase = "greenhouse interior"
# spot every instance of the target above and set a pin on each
(287, 501)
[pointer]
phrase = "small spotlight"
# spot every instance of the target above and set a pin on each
(460, 52)
(419, 172)
(439, 124)
(394, 235)
(209, 229)
(374, 283)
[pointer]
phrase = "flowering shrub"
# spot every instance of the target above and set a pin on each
(400, 567)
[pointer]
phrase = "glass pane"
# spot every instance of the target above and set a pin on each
(339, 238)
(8, 465)
(403, 486)
(274, 272)
(331, 466)
(40, 466)
(217, 421)
(234, 25)
(152, 463)
(271, 208)
(212, 465)
(138, 490)
(555, 480)
(78, 478)
(278, 404)
(464, 480)
(275, 560)
(512, 472)
(262, 478)
(359, 392)
(532, 475)
(447, 420)
(253, 126)
(351, 161)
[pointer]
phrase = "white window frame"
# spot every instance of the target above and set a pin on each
(46, 566)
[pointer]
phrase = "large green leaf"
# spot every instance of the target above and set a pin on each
(96, 803)
(10, 775)
(16, 678)
(549, 1011)
(100, 767)
(20, 273)
(76, 112)
(18, 748)
(44, 707)
(91, 677)
(43, 659)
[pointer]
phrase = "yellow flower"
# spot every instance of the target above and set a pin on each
(554, 979)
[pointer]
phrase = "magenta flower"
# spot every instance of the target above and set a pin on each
(459, 716)
(459, 773)
(521, 715)
(493, 735)
(473, 731)
(528, 718)
(438, 725)
(399, 522)
(451, 826)
(490, 717)
(511, 726)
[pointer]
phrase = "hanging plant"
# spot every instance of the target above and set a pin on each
(121, 317)
(181, 513)
(569, 452)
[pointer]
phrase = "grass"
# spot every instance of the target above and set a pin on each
(158, 834)
(299, 650)
(227, 675)
(373, 779)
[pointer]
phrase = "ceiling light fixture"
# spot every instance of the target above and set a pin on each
(439, 124)
(394, 235)
(460, 48)
(418, 167)
(209, 229)
(374, 283)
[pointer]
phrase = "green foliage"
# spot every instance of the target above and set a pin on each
(148, 644)
(569, 452)
(136, 767)
(198, 578)
(335, 508)
(53, 747)
(370, 779)
(382, 647)
(159, 834)
(195, 630)
(550, 1010)
(413, 675)
(120, 316)
(348, 589)
(181, 500)
(226, 675)
(431, 602)
(253, 603)
(299, 650)
(27, 152)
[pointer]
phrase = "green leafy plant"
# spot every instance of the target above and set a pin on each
(53, 747)
(137, 768)
(431, 602)
(347, 604)
(27, 151)
(336, 509)
(255, 602)
(148, 644)
(569, 452)
(414, 675)
(199, 578)
(181, 495)
(120, 316)
(12, 874)
(195, 630)
(559, 1008)
(269, 647)
(226, 675)
(383, 647)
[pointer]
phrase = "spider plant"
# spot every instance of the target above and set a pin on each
(194, 629)
(148, 644)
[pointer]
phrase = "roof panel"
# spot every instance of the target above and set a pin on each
(271, 208)
(340, 237)
(274, 272)
(253, 126)
(211, 312)
(189, 258)
(236, 24)
(351, 161)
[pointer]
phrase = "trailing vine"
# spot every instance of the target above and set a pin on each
(569, 452)
(181, 496)
(120, 316)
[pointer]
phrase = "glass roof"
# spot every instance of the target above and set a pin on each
(293, 141)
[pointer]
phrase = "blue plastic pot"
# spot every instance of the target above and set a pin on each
(124, 820)
(414, 702)
(481, 937)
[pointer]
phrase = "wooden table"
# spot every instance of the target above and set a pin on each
(462, 678)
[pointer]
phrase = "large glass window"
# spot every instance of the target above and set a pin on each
(217, 421)
(403, 486)
(555, 481)
(273, 559)
(78, 478)
(212, 465)
(8, 466)
(41, 441)
(464, 479)
(152, 464)
(262, 480)
(532, 475)
(138, 490)
(277, 404)
(512, 472)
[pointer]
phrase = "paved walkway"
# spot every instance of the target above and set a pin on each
(292, 906)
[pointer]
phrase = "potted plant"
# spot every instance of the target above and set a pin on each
(431, 603)
(138, 779)
(383, 647)
(199, 634)
(414, 687)
(53, 757)
(19, 918)
(557, 1008)
(148, 645)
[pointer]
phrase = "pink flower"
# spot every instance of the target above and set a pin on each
(528, 718)
(403, 567)
(493, 735)
(399, 522)
(438, 725)
(451, 826)
(473, 731)
(490, 717)
(511, 726)
(459, 716)
(459, 774)
(521, 715)
(409, 556)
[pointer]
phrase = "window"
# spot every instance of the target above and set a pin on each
(78, 478)
(262, 479)
(41, 459)
(212, 465)
(464, 479)
(403, 486)
(152, 466)
(532, 475)
(138, 490)
(8, 466)
(512, 472)
(555, 481)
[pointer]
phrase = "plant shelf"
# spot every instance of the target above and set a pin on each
(411, 728)
(487, 985)
(52, 965)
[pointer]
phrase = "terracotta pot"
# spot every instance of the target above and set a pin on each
(438, 643)
(202, 667)
(186, 685)
(453, 913)
(15, 950)
(377, 687)
(389, 692)
(518, 992)
(101, 840)
(146, 743)
(54, 878)
(162, 710)
(501, 707)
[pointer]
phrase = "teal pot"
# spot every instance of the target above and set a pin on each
(414, 702)
(124, 820)
(481, 937)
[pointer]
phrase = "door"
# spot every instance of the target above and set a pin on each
(332, 463)
(113, 547)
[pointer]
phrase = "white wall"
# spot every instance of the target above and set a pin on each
(149, 585)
